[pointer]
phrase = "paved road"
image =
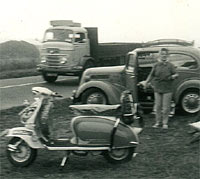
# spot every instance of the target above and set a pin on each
(14, 91)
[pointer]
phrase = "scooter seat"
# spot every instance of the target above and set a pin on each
(95, 109)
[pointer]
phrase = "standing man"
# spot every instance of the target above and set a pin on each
(162, 75)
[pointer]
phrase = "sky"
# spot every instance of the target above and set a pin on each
(117, 20)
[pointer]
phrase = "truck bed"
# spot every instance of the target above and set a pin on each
(114, 53)
(113, 49)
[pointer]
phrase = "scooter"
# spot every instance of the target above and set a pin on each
(114, 137)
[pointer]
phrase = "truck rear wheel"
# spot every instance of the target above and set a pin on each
(49, 78)
(94, 96)
(88, 64)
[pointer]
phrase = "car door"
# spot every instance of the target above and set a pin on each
(131, 75)
(145, 62)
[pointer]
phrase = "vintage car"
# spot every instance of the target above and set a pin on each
(104, 85)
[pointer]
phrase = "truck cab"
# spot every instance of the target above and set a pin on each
(65, 50)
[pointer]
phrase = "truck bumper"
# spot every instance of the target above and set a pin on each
(60, 70)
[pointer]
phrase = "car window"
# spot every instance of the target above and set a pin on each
(131, 62)
(183, 61)
(147, 59)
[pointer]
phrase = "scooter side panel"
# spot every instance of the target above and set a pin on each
(124, 136)
(96, 130)
(28, 136)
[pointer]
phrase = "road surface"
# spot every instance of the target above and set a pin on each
(14, 91)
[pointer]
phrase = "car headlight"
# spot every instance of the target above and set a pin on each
(87, 78)
(63, 60)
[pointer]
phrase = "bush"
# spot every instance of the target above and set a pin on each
(18, 55)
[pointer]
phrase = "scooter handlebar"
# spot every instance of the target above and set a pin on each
(45, 91)
(57, 95)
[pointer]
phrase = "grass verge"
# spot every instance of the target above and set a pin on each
(162, 153)
(18, 73)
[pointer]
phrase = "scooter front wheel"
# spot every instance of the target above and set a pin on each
(119, 155)
(19, 153)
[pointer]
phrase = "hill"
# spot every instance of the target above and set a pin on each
(18, 55)
(18, 49)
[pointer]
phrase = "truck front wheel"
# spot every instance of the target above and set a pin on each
(49, 78)
(94, 96)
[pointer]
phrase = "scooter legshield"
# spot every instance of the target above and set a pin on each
(97, 130)
(28, 136)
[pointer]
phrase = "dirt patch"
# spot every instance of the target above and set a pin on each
(161, 154)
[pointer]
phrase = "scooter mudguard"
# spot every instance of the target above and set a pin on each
(97, 131)
(28, 136)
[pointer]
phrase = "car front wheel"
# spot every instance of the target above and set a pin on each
(94, 96)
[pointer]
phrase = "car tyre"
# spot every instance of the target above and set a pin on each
(94, 96)
(190, 101)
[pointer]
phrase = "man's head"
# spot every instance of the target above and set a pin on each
(163, 54)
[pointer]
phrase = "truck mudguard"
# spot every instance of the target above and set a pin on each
(112, 92)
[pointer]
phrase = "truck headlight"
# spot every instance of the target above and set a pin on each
(63, 60)
(43, 59)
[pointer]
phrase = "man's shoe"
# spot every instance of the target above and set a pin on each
(156, 125)
(165, 126)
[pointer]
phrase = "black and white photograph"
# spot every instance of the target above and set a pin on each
(100, 89)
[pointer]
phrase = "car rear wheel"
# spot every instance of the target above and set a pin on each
(94, 96)
(190, 101)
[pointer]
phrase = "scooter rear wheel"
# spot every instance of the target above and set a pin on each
(20, 155)
(119, 155)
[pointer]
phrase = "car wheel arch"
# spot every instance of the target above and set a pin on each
(110, 92)
(184, 87)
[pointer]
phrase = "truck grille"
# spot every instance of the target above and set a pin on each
(53, 50)
(53, 56)
(53, 60)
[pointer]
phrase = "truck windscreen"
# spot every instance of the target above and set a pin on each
(61, 35)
